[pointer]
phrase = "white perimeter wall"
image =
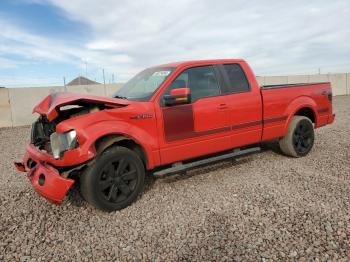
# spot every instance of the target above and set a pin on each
(16, 104)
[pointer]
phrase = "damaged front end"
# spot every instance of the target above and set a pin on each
(53, 154)
(40, 133)
(46, 147)
(45, 137)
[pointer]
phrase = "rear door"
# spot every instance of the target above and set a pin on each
(244, 102)
(199, 128)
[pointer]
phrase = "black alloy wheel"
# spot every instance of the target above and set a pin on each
(118, 180)
(300, 137)
(115, 180)
(303, 137)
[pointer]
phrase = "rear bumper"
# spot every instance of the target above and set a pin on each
(44, 178)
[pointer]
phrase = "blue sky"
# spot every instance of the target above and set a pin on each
(41, 20)
(42, 41)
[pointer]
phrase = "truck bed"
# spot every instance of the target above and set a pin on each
(280, 105)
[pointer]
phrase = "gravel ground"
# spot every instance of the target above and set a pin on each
(261, 207)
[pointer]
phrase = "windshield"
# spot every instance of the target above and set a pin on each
(142, 86)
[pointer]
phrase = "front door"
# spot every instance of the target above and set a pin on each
(200, 127)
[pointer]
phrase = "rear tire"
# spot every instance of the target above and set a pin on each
(300, 137)
(114, 181)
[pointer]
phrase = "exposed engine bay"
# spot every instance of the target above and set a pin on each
(42, 128)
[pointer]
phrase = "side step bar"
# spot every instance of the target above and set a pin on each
(180, 168)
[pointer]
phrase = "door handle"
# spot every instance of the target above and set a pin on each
(222, 106)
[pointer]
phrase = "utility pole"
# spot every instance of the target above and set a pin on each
(319, 70)
(113, 78)
(64, 83)
(86, 68)
(104, 80)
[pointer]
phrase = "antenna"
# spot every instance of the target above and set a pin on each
(104, 80)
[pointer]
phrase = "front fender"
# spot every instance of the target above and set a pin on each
(146, 140)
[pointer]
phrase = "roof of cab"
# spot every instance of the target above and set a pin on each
(201, 62)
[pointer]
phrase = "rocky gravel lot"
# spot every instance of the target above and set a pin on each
(262, 207)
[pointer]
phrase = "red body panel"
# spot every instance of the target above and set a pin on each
(282, 103)
(246, 113)
(174, 133)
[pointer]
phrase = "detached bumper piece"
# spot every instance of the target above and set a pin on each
(47, 181)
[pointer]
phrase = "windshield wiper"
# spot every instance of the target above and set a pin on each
(121, 97)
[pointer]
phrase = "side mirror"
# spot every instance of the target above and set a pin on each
(178, 96)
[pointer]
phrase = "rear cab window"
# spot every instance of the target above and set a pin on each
(236, 80)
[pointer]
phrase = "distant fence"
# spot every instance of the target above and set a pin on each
(340, 82)
(16, 104)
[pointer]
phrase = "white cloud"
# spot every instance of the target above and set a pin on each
(275, 37)
(7, 63)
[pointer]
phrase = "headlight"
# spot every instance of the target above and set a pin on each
(63, 142)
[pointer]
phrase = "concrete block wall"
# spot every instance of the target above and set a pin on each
(298, 79)
(318, 78)
(23, 101)
(98, 90)
(5, 108)
(16, 104)
(275, 80)
(111, 89)
(338, 83)
(260, 80)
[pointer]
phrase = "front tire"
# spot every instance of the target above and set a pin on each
(115, 180)
(300, 137)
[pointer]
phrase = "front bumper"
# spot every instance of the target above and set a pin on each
(45, 179)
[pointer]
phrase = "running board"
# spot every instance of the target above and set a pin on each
(179, 167)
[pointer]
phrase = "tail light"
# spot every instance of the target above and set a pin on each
(329, 94)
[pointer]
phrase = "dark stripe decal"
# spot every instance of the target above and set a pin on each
(192, 134)
(179, 124)
(323, 110)
(212, 131)
(247, 124)
(275, 119)
(257, 123)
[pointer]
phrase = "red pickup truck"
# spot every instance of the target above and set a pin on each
(166, 119)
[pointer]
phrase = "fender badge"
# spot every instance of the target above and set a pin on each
(142, 116)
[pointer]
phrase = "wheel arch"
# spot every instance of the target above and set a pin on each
(147, 141)
(308, 112)
(108, 140)
(302, 106)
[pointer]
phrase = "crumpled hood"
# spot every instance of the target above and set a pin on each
(50, 103)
